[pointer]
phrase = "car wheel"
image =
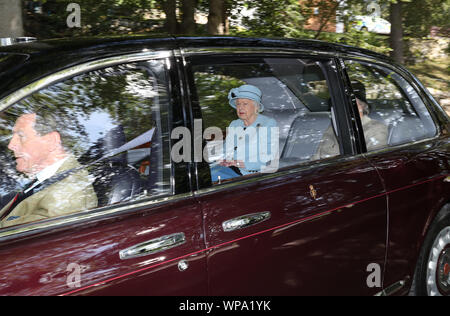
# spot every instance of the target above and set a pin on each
(432, 276)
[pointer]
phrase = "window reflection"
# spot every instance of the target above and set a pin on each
(108, 123)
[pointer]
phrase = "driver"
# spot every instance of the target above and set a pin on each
(40, 155)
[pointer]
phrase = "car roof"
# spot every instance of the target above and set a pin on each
(27, 62)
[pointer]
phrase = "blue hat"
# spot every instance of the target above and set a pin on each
(246, 92)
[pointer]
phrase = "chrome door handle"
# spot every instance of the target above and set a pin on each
(153, 246)
(245, 221)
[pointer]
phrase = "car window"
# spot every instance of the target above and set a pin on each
(392, 111)
(295, 126)
(90, 141)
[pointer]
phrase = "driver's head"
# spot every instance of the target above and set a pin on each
(34, 151)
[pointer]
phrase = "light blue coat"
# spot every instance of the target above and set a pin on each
(255, 145)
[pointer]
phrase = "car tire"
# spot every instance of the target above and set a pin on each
(432, 275)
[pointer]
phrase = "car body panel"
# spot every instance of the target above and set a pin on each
(417, 171)
(46, 264)
(309, 246)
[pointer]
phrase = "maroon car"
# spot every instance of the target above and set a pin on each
(358, 202)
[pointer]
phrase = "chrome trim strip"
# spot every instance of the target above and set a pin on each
(399, 147)
(7, 233)
(75, 70)
(307, 165)
(187, 51)
(392, 289)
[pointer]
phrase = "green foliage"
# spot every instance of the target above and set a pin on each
(98, 17)
(287, 18)
(273, 18)
(282, 18)
(421, 15)
(366, 40)
(212, 90)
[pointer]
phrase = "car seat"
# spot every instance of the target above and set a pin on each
(304, 137)
(115, 180)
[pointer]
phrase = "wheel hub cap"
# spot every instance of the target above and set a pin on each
(438, 270)
(442, 273)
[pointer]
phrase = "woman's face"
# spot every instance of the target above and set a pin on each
(246, 109)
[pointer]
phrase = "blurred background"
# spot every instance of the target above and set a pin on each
(415, 33)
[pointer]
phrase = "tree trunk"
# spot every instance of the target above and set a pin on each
(170, 9)
(226, 11)
(397, 32)
(326, 14)
(188, 23)
(215, 17)
(11, 24)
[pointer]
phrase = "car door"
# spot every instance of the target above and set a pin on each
(316, 225)
(144, 236)
(411, 163)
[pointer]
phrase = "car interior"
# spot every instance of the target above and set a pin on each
(295, 94)
(390, 105)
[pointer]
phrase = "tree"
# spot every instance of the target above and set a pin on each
(170, 9)
(215, 17)
(11, 24)
(282, 18)
(98, 17)
(326, 12)
(396, 39)
(421, 15)
(188, 16)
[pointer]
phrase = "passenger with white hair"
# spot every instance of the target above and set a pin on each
(252, 139)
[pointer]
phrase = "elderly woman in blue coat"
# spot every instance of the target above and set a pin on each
(252, 140)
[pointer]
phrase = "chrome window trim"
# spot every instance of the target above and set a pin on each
(306, 165)
(76, 70)
(52, 223)
(87, 215)
(399, 147)
(191, 51)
